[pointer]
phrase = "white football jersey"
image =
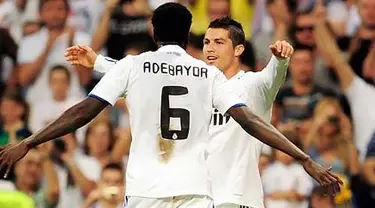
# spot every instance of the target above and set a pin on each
(233, 155)
(169, 95)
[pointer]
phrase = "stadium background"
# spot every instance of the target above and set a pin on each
(37, 85)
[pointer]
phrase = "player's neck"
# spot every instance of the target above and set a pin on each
(161, 44)
(302, 88)
(232, 70)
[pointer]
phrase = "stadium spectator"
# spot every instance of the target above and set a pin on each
(122, 23)
(110, 190)
(8, 48)
(18, 13)
(85, 15)
(29, 174)
(320, 199)
(205, 11)
(328, 141)
(59, 84)
(40, 51)
(285, 183)
(298, 100)
(359, 45)
(275, 26)
(361, 96)
(14, 117)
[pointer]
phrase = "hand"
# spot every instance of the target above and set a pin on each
(81, 56)
(280, 12)
(320, 12)
(324, 176)
(10, 154)
(111, 4)
(281, 49)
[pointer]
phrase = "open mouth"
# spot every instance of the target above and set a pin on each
(211, 58)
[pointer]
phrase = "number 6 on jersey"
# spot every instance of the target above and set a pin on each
(167, 113)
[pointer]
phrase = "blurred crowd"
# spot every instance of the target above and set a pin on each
(326, 107)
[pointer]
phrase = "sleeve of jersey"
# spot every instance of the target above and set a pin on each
(114, 83)
(224, 97)
(104, 64)
(272, 78)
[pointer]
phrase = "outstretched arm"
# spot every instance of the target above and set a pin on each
(272, 77)
(72, 119)
(265, 132)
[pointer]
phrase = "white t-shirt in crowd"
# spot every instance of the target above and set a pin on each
(40, 117)
(282, 178)
(169, 95)
(233, 155)
(361, 97)
(31, 47)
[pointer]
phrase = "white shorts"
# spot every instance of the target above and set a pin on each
(229, 205)
(187, 201)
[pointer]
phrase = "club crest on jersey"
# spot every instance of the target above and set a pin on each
(218, 118)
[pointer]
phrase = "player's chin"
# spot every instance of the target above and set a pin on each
(211, 62)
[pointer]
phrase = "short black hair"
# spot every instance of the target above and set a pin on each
(61, 68)
(42, 2)
(196, 40)
(113, 166)
(171, 22)
(236, 33)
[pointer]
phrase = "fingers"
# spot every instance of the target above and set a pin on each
(8, 171)
(282, 49)
(3, 164)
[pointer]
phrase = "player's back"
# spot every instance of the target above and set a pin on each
(169, 97)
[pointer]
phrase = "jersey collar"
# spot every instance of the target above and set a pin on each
(174, 48)
(238, 75)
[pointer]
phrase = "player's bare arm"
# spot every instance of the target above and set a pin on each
(266, 133)
(72, 119)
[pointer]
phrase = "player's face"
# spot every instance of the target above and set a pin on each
(302, 66)
(54, 13)
(367, 12)
(218, 48)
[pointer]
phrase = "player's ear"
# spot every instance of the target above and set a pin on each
(238, 50)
